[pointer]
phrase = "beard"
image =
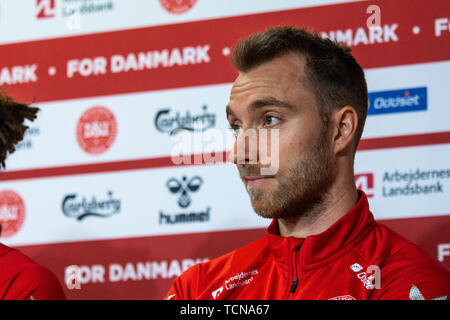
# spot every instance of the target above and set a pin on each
(301, 190)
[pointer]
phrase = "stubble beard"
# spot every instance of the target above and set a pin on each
(302, 190)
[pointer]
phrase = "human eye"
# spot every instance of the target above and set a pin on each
(271, 120)
(236, 129)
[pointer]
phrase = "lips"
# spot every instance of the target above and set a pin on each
(256, 180)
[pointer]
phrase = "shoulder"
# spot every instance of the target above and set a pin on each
(204, 277)
(27, 279)
(405, 269)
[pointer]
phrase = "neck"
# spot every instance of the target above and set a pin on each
(338, 201)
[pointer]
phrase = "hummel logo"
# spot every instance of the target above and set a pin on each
(367, 277)
(356, 267)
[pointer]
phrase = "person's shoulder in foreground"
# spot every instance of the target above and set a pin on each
(356, 258)
(20, 277)
(23, 279)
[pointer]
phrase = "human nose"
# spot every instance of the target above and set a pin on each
(245, 149)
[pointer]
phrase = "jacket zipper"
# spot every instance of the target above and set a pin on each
(294, 285)
(295, 280)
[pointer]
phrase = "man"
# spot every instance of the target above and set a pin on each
(20, 277)
(323, 242)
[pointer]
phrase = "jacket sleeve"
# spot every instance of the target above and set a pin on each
(184, 286)
(416, 290)
(35, 282)
(174, 292)
(413, 276)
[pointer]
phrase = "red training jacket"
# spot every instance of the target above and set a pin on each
(23, 279)
(355, 258)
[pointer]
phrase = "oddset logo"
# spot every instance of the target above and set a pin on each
(12, 213)
(96, 130)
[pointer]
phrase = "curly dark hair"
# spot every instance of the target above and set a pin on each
(12, 129)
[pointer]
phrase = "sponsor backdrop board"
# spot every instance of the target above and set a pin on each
(124, 173)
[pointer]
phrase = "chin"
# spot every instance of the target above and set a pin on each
(264, 209)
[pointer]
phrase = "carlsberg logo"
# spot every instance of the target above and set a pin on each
(167, 121)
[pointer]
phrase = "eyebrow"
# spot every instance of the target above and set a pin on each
(269, 101)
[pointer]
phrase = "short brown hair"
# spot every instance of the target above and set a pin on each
(332, 73)
(12, 129)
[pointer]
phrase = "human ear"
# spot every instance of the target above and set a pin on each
(345, 122)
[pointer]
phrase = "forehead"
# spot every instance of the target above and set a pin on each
(281, 78)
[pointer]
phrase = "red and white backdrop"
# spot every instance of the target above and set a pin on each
(93, 183)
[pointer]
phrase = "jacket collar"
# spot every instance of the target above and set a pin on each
(318, 249)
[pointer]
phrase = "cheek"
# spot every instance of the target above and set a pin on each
(293, 146)
(299, 136)
(289, 151)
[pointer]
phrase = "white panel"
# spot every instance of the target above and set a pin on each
(433, 76)
(396, 173)
(120, 14)
(54, 141)
(143, 195)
